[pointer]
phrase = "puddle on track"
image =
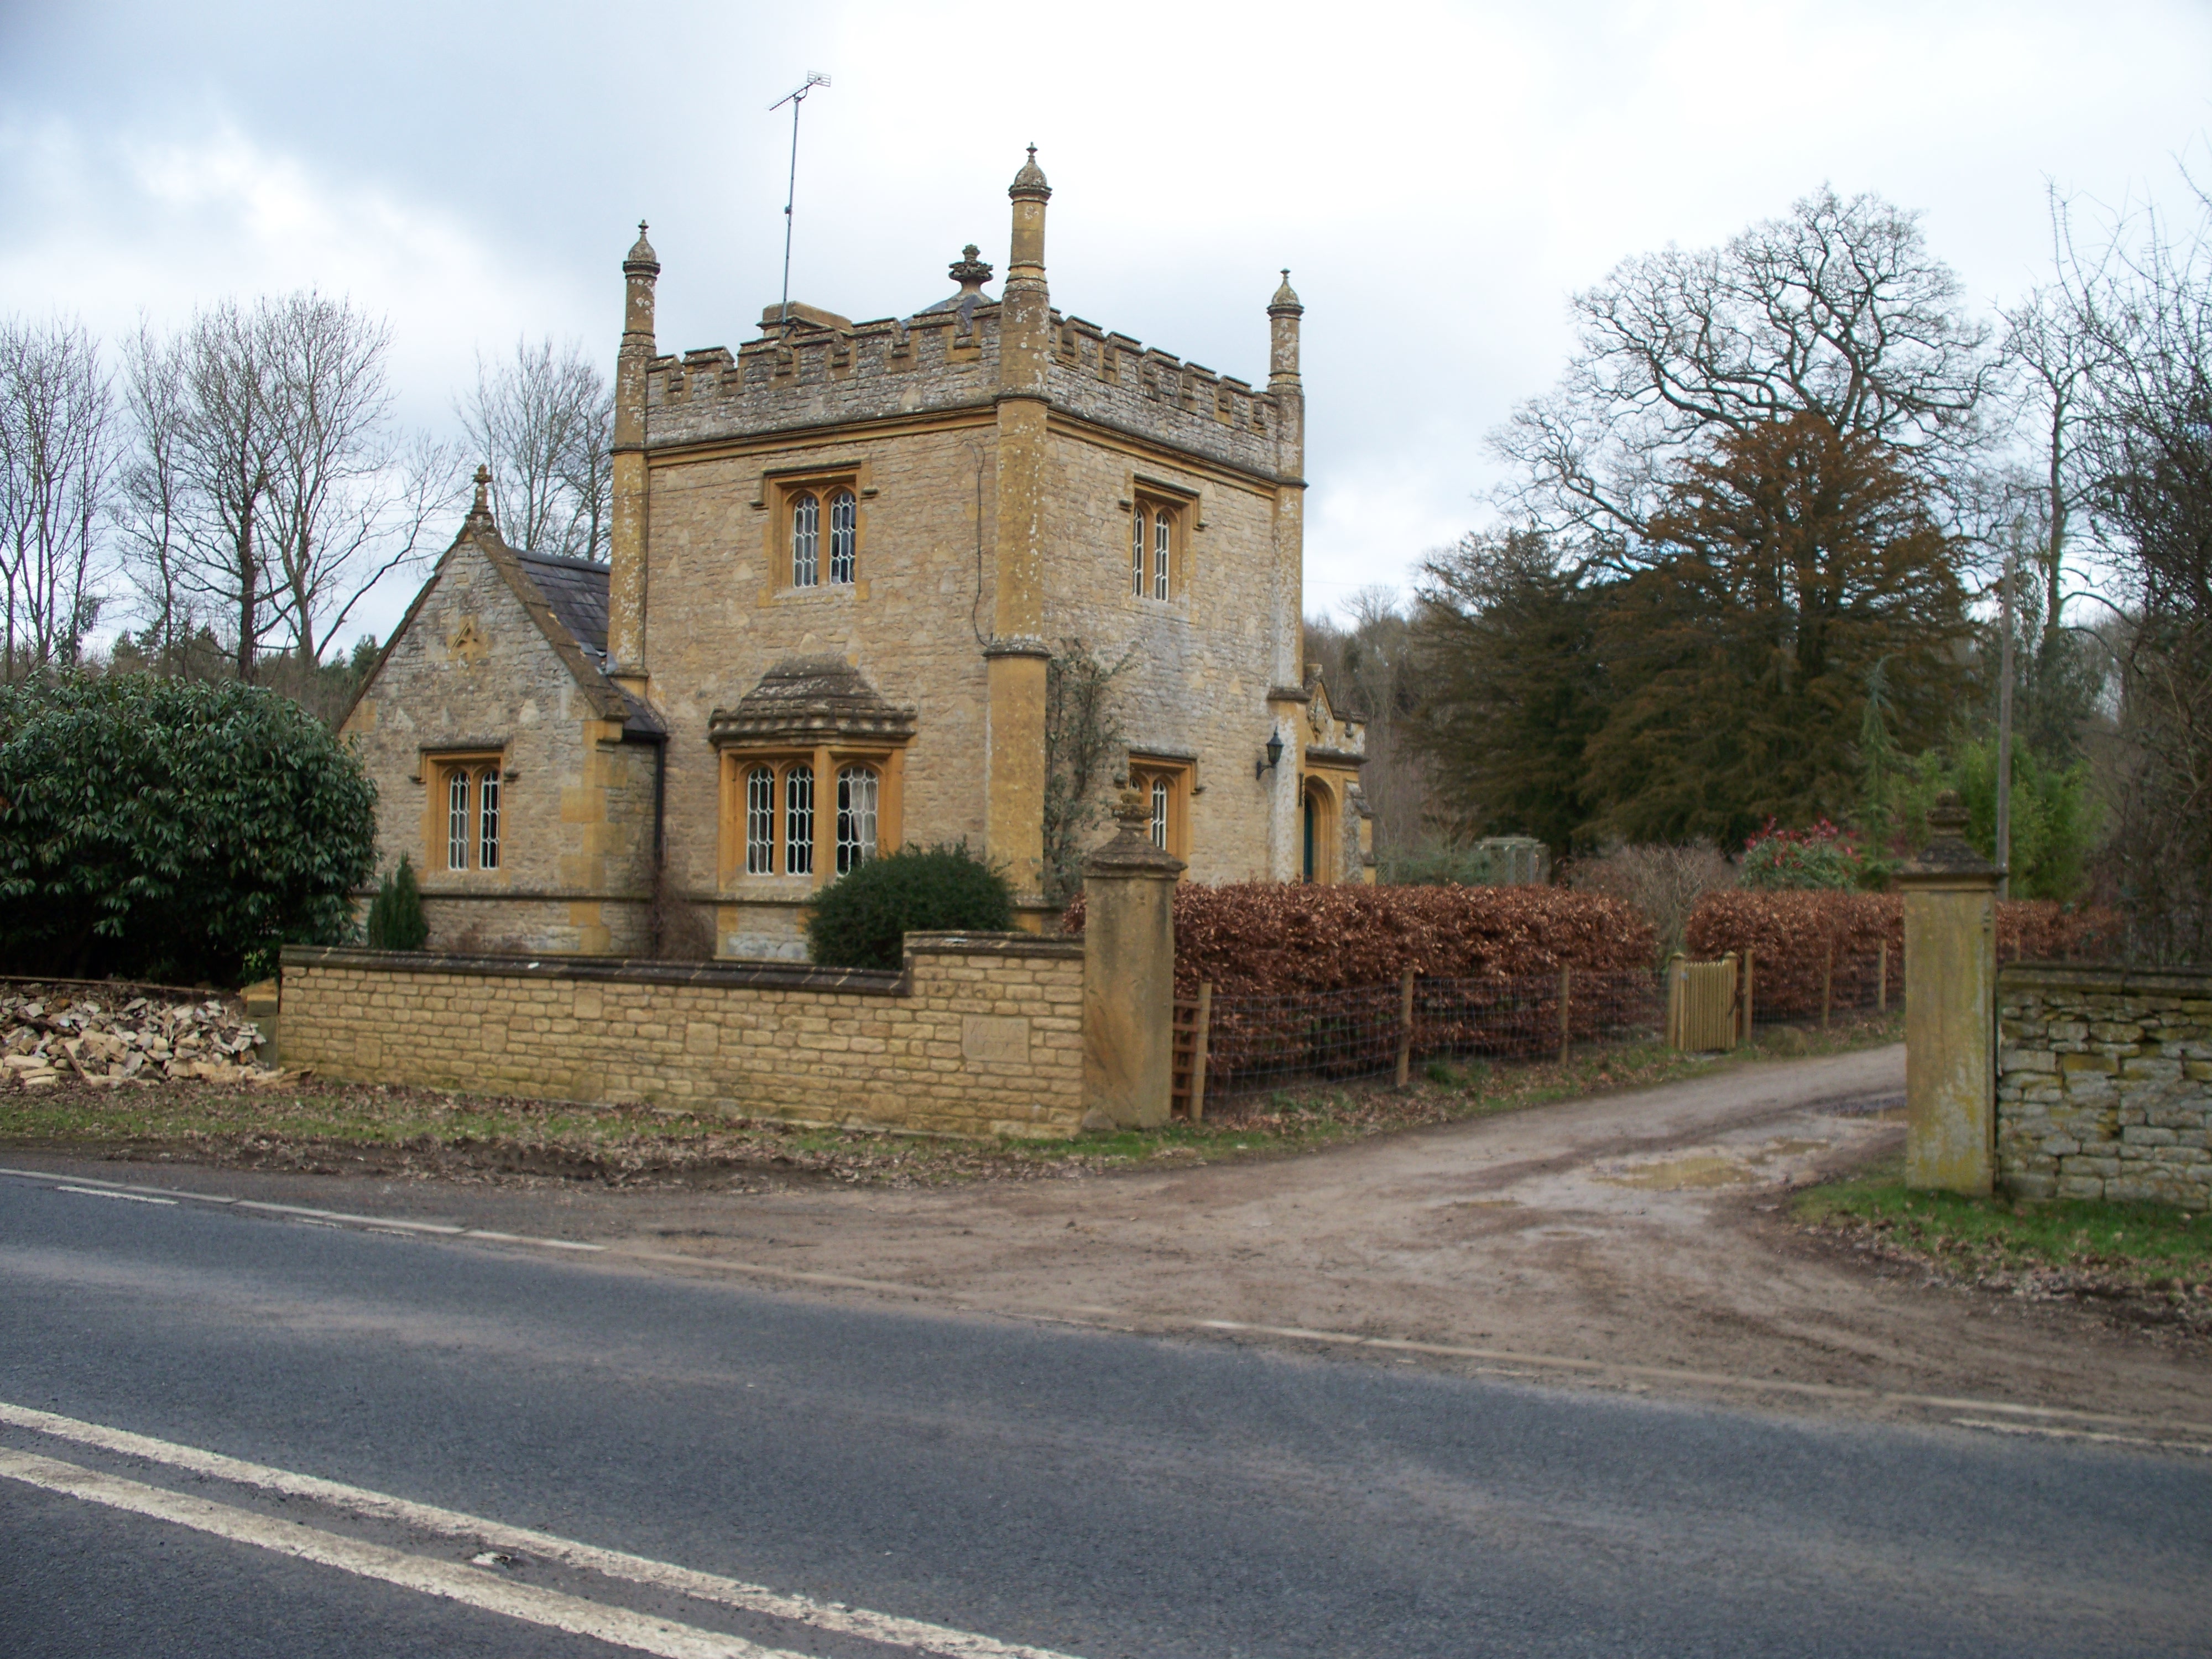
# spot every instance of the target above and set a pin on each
(1684, 1173)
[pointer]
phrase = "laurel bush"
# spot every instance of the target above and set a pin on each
(172, 829)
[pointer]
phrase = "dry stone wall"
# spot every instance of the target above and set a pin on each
(981, 1034)
(2105, 1082)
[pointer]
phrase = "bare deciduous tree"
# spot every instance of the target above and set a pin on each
(58, 459)
(2149, 445)
(351, 499)
(543, 424)
(1837, 310)
(271, 488)
(1367, 662)
(151, 509)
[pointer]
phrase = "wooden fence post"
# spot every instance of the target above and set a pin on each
(1881, 987)
(1198, 1050)
(1566, 1032)
(1406, 1029)
(1746, 993)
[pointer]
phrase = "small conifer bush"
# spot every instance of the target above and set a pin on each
(862, 920)
(396, 921)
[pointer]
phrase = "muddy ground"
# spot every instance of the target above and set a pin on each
(1638, 1240)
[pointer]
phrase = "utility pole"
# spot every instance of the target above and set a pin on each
(2004, 722)
(791, 187)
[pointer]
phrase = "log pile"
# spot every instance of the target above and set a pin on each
(49, 1036)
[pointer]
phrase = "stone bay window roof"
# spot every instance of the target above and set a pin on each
(805, 701)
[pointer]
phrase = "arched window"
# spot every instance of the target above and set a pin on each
(798, 821)
(760, 821)
(457, 819)
(1155, 527)
(488, 818)
(844, 527)
(1160, 793)
(856, 817)
(805, 539)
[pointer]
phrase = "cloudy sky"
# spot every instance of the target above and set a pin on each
(1438, 177)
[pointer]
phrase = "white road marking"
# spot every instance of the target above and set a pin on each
(2203, 1448)
(95, 1188)
(469, 1586)
(498, 1536)
(94, 1192)
(1085, 1317)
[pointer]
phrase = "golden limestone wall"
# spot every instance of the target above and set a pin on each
(2105, 1082)
(982, 1034)
(470, 671)
(721, 612)
(1200, 662)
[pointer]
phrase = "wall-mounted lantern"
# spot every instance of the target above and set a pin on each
(1261, 768)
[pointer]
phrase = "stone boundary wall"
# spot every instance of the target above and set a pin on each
(980, 1035)
(2105, 1082)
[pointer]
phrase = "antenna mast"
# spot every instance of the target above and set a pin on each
(791, 189)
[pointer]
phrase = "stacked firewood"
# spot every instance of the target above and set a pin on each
(49, 1036)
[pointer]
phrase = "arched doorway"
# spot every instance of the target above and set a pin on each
(1320, 822)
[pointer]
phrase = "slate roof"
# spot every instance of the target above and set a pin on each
(576, 589)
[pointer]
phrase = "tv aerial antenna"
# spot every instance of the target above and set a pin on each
(795, 98)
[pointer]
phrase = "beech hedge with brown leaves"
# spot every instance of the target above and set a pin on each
(1273, 938)
(1791, 933)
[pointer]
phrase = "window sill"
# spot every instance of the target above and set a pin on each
(822, 590)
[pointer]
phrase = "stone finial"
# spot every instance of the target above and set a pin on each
(1285, 298)
(1131, 852)
(1030, 181)
(969, 271)
(482, 509)
(642, 259)
(1948, 852)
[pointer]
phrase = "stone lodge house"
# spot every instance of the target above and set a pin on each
(843, 558)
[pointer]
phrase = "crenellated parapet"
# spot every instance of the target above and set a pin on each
(1122, 383)
(825, 369)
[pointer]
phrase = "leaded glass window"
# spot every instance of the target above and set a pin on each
(488, 818)
(457, 819)
(760, 821)
(856, 817)
(805, 540)
(844, 527)
(1160, 813)
(1160, 524)
(1137, 552)
(798, 821)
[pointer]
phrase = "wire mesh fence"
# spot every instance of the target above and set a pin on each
(1256, 1043)
(1820, 988)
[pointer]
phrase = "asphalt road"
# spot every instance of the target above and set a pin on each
(1088, 1493)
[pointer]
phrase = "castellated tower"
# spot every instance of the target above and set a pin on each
(846, 555)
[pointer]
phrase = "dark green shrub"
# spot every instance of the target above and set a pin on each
(396, 921)
(860, 922)
(172, 829)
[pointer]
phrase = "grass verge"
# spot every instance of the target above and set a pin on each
(2145, 1262)
(320, 1126)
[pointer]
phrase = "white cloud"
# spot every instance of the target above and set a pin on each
(1439, 176)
